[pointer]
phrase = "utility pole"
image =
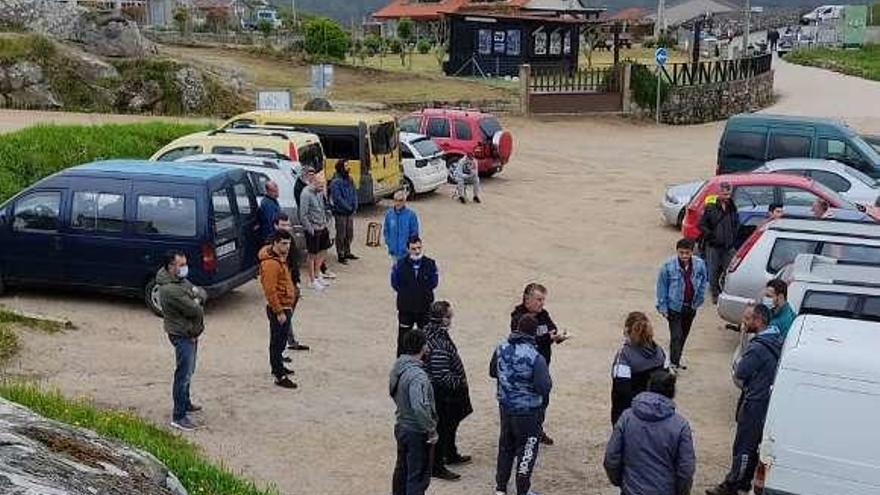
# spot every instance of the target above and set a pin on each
(748, 29)
(293, 12)
(661, 19)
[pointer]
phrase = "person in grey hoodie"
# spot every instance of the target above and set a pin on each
(639, 357)
(651, 450)
(415, 427)
(314, 219)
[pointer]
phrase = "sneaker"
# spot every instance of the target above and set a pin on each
(444, 474)
(462, 200)
(183, 424)
(285, 382)
(193, 408)
(352, 257)
(316, 285)
(477, 199)
(499, 492)
(342, 261)
(328, 274)
(459, 460)
(722, 489)
(288, 371)
(287, 359)
(546, 440)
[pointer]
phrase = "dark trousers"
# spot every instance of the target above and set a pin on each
(278, 335)
(447, 429)
(679, 329)
(185, 352)
(717, 259)
(407, 321)
(749, 430)
(518, 442)
(412, 471)
(344, 234)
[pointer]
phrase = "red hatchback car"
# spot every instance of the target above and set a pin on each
(462, 132)
(759, 191)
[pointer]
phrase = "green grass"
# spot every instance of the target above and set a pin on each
(36, 152)
(183, 458)
(862, 62)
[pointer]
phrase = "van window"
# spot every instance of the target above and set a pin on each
(269, 153)
(490, 126)
(37, 212)
(749, 196)
(243, 123)
(438, 128)
(166, 215)
(410, 124)
(793, 196)
(463, 130)
(786, 250)
(224, 220)
(871, 309)
(242, 199)
(826, 304)
(426, 147)
(178, 153)
(101, 212)
(851, 252)
(312, 156)
(788, 146)
(745, 145)
(340, 147)
(831, 180)
(228, 150)
(836, 149)
(383, 138)
(259, 181)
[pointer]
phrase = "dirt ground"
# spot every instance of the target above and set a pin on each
(576, 209)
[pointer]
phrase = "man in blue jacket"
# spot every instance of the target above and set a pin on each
(651, 450)
(401, 225)
(523, 382)
(756, 370)
(343, 203)
(269, 210)
(414, 279)
(681, 287)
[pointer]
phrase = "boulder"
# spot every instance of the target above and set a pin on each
(34, 96)
(89, 66)
(318, 105)
(40, 456)
(191, 86)
(111, 36)
(23, 74)
(140, 96)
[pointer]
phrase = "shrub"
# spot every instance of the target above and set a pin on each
(644, 87)
(325, 39)
(373, 44)
(423, 47)
(395, 46)
(29, 155)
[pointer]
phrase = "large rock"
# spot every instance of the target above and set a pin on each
(21, 75)
(140, 96)
(89, 66)
(40, 456)
(110, 36)
(34, 96)
(191, 86)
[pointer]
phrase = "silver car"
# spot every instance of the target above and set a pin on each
(778, 243)
(672, 207)
(850, 183)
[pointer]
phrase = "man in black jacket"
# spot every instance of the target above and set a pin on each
(450, 390)
(534, 296)
(414, 278)
(719, 226)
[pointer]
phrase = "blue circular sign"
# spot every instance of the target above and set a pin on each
(661, 56)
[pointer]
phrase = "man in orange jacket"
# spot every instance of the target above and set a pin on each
(280, 298)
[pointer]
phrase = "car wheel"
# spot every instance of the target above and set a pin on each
(680, 218)
(151, 297)
(409, 188)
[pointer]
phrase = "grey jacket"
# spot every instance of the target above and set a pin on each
(651, 450)
(313, 210)
(413, 394)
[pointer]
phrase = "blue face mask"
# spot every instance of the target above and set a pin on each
(183, 271)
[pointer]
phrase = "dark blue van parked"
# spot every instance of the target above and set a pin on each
(105, 226)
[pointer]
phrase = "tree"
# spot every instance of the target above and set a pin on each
(325, 39)
(265, 27)
(405, 33)
(373, 44)
(181, 18)
(217, 19)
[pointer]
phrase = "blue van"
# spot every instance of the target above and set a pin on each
(105, 226)
(750, 140)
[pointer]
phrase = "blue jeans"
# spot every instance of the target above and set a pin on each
(185, 351)
(412, 471)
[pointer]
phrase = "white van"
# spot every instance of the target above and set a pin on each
(821, 435)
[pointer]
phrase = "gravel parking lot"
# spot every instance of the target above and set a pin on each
(576, 210)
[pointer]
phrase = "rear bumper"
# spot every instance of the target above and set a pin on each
(427, 182)
(224, 286)
(485, 165)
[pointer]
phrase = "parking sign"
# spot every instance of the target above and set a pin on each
(660, 56)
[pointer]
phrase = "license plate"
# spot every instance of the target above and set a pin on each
(225, 249)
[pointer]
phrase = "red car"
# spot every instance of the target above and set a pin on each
(463, 132)
(754, 193)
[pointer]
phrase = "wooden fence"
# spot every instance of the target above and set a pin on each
(688, 74)
(597, 80)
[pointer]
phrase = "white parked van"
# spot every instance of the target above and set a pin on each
(821, 435)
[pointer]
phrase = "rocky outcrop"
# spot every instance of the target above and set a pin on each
(40, 456)
(191, 85)
(24, 85)
(109, 36)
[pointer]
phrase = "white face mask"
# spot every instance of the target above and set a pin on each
(415, 257)
(183, 271)
(768, 301)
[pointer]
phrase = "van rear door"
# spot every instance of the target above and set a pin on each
(742, 149)
(384, 153)
(225, 250)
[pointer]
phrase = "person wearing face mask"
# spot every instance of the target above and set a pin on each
(451, 391)
(719, 227)
(782, 316)
(184, 321)
(401, 225)
(681, 285)
(756, 372)
(414, 279)
(635, 361)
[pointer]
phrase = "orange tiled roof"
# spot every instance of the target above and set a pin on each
(426, 11)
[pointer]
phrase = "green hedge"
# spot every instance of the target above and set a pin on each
(644, 87)
(36, 152)
(197, 474)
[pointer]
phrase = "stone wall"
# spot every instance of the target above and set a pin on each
(711, 102)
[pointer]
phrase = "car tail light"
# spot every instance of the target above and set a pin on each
(209, 260)
(760, 478)
(292, 152)
(744, 249)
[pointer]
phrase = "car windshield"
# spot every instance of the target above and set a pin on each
(490, 126)
(870, 151)
(862, 177)
(426, 147)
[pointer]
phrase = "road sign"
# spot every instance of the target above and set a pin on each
(274, 99)
(660, 56)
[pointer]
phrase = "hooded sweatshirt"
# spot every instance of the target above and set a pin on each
(276, 281)
(632, 367)
(756, 369)
(313, 210)
(651, 450)
(182, 315)
(409, 386)
(522, 374)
